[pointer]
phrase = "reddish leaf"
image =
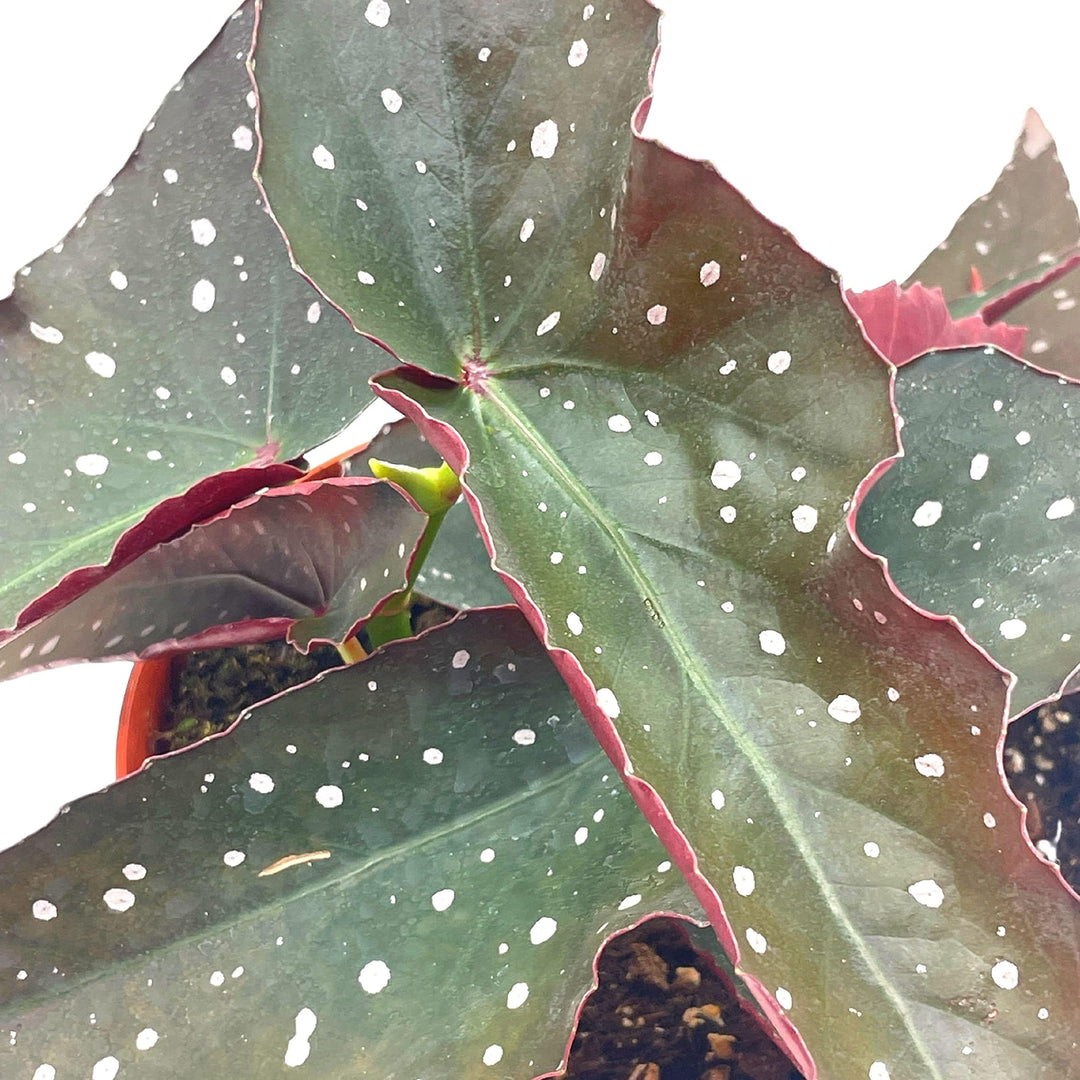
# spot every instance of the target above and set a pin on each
(168, 520)
(905, 323)
(313, 558)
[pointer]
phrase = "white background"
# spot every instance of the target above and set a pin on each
(864, 127)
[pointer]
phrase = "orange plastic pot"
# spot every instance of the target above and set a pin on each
(142, 713)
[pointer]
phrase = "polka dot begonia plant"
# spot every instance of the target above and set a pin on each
(731, 656)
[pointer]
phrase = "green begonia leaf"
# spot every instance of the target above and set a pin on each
(166, 339)
(661, 410)
(977, 518)
(404, 868)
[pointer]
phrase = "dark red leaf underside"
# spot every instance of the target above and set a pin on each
(314, 558)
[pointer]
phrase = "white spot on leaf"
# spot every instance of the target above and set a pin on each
(322, 157)
(717, 799)
(461, 658)
(44, 910)
(779, 362)
(146, 1039)
(433, 756)
(653, 457)
(49, 334)
(930, 765)
(228, 376)
(105, 366)
(1011, 629)
(725, 475)
(391, 100)
(657, 314)
(927, 892)
(928, 514)
(630, 901)
(119, 899)
(845, 709)
(243, 138)
(608, 703)
(772, 642)
(579, 53)
(378, 13)
(755, 940)
(92, 464)
(597, 267)
(442, 899)
(118, 280)
(709, 274)
(493, 1054)
(979, 465)
(299, 1047)
(542, 930)
(1005, 974)
(549, 323)
(105, 1069)
(804, 518)
(744, 880)
(374, 976)
(260, 782)
(329, 796)
(525, 736)
(783, 998)
(545, 138)
(518, 995)
(203, 295)
(573, 623)
(618, 422)
(233, 858)
(1060, 508)
(203, 231)
(364, 277)
(528, 226)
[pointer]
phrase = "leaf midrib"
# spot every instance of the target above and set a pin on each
(580, 496)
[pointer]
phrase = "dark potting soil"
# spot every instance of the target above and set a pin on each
(662, 1011)
(1042, 762)
(212, 687)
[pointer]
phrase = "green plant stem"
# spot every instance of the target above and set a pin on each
(351, 650)
(389, 627)
(434, 490)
